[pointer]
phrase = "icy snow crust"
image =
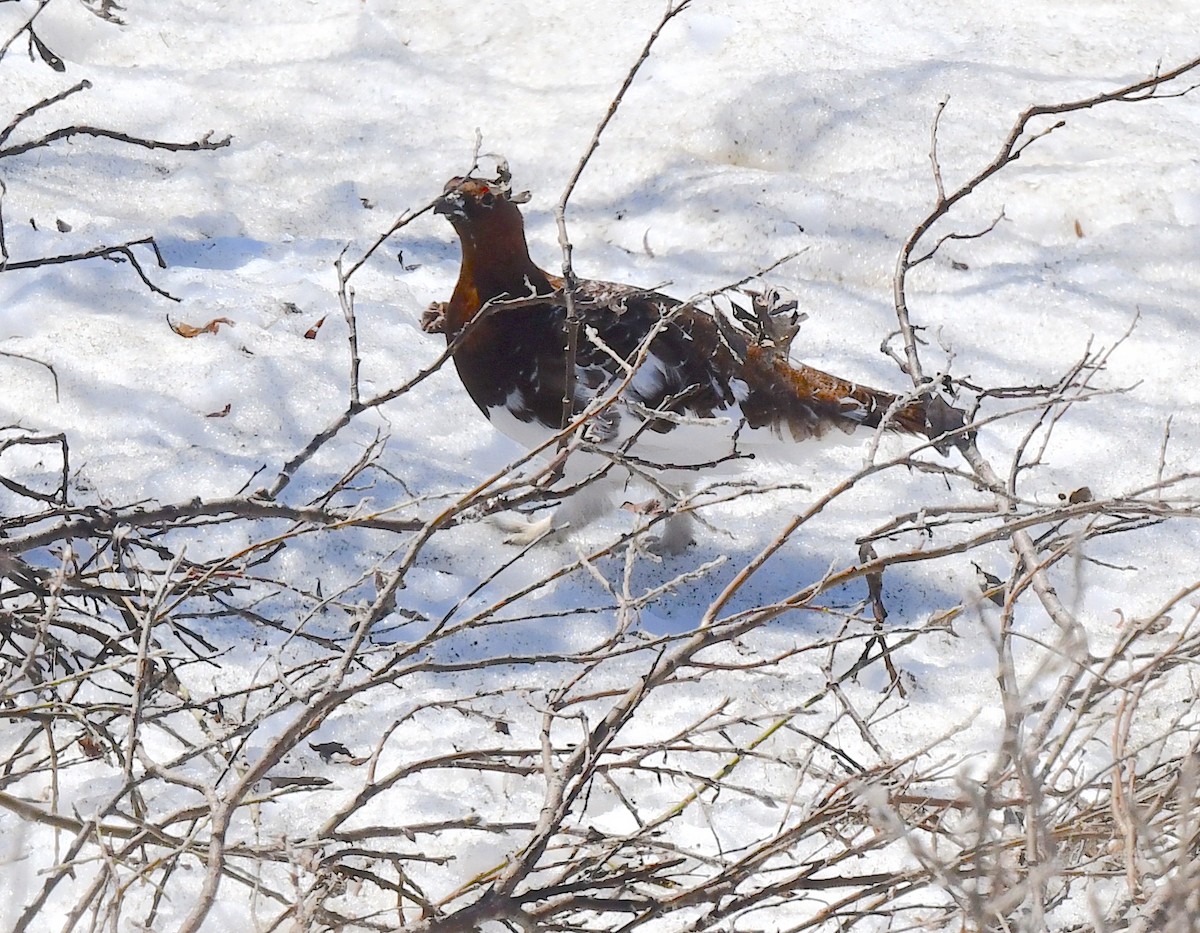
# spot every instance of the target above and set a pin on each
(754, 130)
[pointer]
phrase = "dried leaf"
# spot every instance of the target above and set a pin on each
(90, 747)
(104, 10)
(958, 266)
(990, 585)
(1152, 625)
(433, 319)
(1078, 229)
(407, 267)
(328, 749)
(311, 333)
(283, 781)
(944, 418)
(944, 620)
(190, 330)
(220, 414)
(44, 51)
(388, 605)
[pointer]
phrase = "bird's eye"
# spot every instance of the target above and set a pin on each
(487, 198)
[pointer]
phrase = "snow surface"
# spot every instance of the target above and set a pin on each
(755, 129)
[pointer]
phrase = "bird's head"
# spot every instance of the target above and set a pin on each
(477, 202)
(489, 225)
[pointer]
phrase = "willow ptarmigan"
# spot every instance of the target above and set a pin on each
(675, 387)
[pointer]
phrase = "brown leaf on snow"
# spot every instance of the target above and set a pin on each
(90, 747)
(311, 333)
(190, 330)
(220, 414)
(328, 749)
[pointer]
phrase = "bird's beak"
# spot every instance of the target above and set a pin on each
(451, 203)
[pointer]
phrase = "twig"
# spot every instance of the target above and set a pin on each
(933, 156)
(205, 142)
(30, 359)
(1010, 150)
(93, 521)
(346, 299)
(1162, 451)
(27, 25)
(560, 210)
(41, 105)
(3, 242)
(103, 252)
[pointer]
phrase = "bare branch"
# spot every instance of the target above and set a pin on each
(41, 105)
(1010, 150)
(560, 210)
(113, 253)
(205, 142)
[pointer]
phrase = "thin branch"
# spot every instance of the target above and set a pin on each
(103, 252)
(560, 210)
(41, 105)
(27, 25)
(3, 241)
(346, 299)
(1010, 150)
(205, 142)
(933, 155)
(29, 359)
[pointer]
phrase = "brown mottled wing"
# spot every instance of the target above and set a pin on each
(704, 367)
(688, 369)
(801, 402)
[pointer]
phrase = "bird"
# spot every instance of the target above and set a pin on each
(673, 391)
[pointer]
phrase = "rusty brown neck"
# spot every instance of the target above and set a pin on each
(495, 263)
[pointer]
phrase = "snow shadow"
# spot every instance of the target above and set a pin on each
(221, 252)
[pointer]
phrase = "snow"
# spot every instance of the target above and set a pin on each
(754, 130)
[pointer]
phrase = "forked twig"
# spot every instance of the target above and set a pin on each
(120, 252)
(1018, 140)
